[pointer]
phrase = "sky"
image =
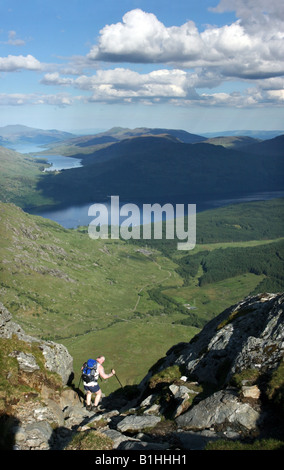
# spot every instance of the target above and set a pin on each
(198, 65)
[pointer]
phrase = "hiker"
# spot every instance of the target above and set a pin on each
(93, 387)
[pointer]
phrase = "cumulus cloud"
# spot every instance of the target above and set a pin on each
(189, 63)
(141, 37)
(126, 84)
(178, 87)
(253, 15)
(14, 63)
(239, 49)
(55, 79)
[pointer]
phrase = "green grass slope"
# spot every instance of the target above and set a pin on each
(61, 285)
(19, 179)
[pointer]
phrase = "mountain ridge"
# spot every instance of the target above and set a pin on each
(258, 134)
(144, 164)
(15, 134)
(155, 169)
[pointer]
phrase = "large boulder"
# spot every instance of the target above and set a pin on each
(220, 410)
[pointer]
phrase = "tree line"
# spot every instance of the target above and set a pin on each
(224, 263)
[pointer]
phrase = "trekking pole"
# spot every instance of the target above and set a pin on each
(79, 389)
(119, 381)
(79, 382)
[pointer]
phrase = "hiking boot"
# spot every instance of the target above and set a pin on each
(89, 407)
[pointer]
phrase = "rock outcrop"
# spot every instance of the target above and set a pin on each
(57, 357)
(247, 335)
(216, 386)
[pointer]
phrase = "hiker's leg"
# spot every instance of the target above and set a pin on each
(88, 397)
(98, 397)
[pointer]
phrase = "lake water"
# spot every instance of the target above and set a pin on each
(57, 162)
(77, 215)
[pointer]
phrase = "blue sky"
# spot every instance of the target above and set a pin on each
(201, 66)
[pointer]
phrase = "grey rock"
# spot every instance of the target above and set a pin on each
(52, 413)
(222, 408)
(117, 437)
(27, 362)
(149, 400)
(38, 435)
(249, 334)
(137, 423)
(57, 357)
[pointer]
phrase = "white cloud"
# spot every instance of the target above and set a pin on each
(276, 95)
(253, 14)
(141, 37)
(236, 49)
(14, 63)
(16, 99)
(55, 79)
(120, 83)
(200, 60)
(193, 64)
(176, 86)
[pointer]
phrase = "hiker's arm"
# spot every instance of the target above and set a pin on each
(104, 375)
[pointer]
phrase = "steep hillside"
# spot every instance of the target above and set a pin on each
(238, 360)
(222, 390)
(268, 147)
(109, 295)
(19, 177)
(92, 295)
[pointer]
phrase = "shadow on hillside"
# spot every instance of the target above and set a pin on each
(8, 429)
(62, 436)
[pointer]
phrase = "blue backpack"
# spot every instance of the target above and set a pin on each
(89, 370)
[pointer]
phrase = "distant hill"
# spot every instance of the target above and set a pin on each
(15, 134)
(273, 146)
(82, 146)
(117, 134)
(235, 142)
(256, 134)
(85, 145)
(149, 165)
(160, 169)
